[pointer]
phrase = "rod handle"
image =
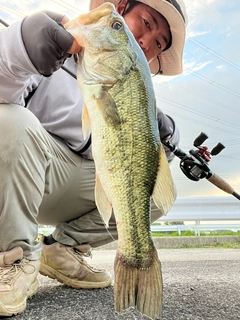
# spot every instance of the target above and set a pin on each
(223, 185)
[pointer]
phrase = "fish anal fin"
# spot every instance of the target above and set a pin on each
(103, 205)
(86, 123)
(163, 193)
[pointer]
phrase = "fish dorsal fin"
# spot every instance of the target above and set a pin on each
(104, 206)
(108, 108)
(86, 123)
(163, 192)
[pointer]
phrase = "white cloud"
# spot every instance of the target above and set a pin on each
(162, 79)
(220, 67)
(193, 66)
(196, 33)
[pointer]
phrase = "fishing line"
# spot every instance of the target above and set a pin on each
(109, 233)
(107, 228)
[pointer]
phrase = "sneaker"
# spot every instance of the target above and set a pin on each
(67, 265)
(18, 281)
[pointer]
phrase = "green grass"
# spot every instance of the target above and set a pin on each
(216, 245)
(189, 233)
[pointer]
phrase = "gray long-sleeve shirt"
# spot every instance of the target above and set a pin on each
(57, 101)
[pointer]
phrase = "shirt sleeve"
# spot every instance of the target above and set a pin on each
(173, 140)
(16, 69)
(167, 127)
(30, 49)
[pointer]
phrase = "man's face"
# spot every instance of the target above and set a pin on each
(149, 28)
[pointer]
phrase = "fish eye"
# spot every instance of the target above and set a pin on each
(117, 25)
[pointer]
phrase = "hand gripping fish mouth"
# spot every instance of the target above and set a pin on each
(101, 33)
(79, 27)
(131, 167)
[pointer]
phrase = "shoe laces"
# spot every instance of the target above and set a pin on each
(81, 254)
(9, 272)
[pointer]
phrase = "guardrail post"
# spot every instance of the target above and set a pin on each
(179, 231)
(197, 229)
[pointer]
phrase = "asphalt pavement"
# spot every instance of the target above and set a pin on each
(199, 284)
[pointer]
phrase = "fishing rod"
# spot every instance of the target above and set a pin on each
(195, 163)
(4, 23)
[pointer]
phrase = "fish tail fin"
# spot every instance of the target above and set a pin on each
(139, 287)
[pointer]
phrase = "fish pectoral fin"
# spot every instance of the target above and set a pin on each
(86, 123)
(108, 108)
(163, 193)
(103, 205)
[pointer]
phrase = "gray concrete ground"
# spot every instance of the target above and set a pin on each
(198, 284)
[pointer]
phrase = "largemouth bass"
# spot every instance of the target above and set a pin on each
(131, 166)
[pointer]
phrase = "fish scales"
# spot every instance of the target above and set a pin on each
(131, 166)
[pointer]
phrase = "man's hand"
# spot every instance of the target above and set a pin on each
(46, 41)
(165, 125)
(77, 26)
(75, 48)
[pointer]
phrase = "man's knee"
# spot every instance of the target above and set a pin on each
(16, 123)
(14, 119)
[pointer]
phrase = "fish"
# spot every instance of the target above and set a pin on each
(119, 112)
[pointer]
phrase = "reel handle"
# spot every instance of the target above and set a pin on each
(217, 149)
(200, 139)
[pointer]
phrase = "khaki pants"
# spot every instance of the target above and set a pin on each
(43, 181)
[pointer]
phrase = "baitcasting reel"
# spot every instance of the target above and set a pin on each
(195, 164)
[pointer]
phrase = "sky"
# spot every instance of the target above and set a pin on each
(205, 98)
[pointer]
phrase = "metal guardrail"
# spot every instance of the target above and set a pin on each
(212, 209)
(45, 230)
(169, 228)
(196, 228)
(198, 209)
